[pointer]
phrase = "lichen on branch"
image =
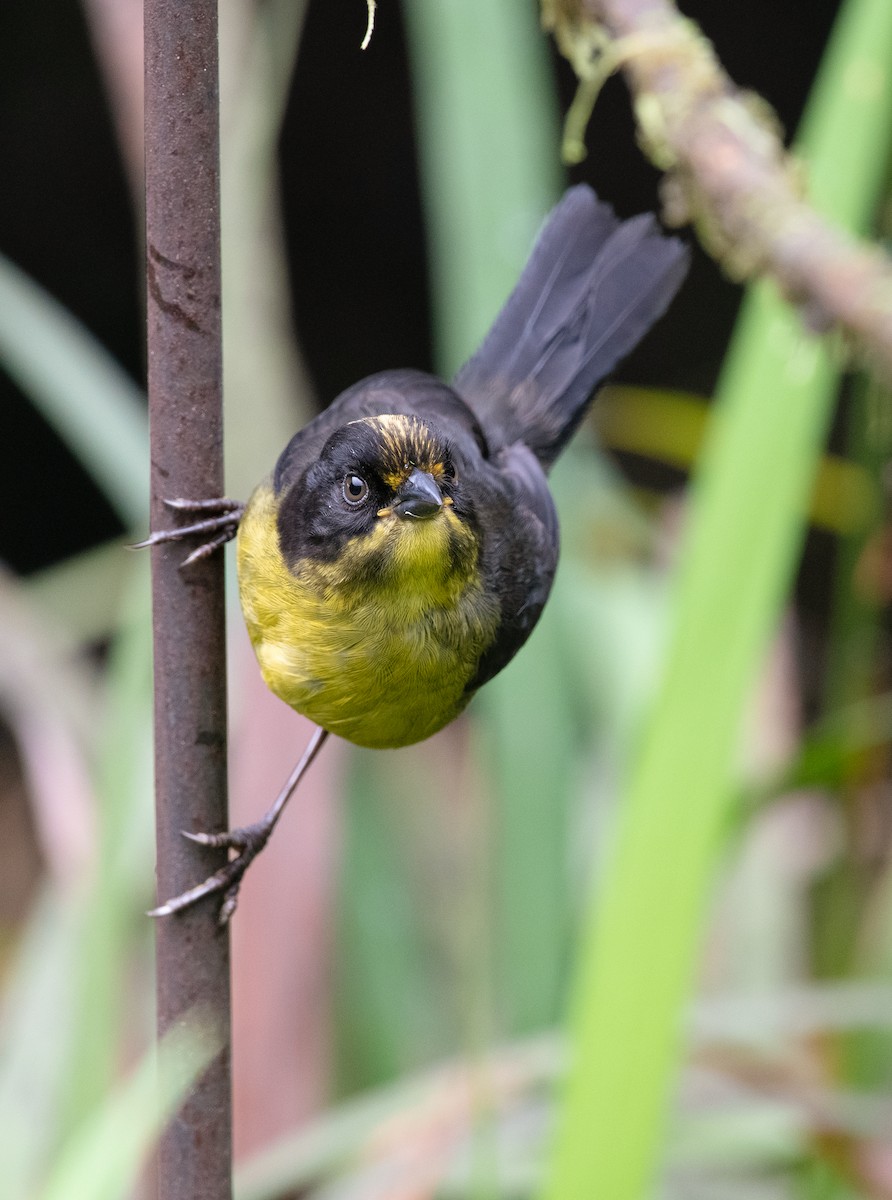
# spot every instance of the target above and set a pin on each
(727, 171)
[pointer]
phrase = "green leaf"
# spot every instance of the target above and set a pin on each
(90, 402)
(742, 539)
(103, 1157)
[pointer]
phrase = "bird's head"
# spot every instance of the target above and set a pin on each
(383, 504)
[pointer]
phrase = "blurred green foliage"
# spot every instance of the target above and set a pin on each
(608, 761)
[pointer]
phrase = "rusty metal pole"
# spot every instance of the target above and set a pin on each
(185, 411)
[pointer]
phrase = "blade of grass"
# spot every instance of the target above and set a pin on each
(114, 924)
(348, 1135)
(854, 646)
(489, 139)
(584, 671)
(851, 906)
(390, 1015)
(267, 395)
(78, 388)
(104, 1156)
(670, 427)
(640, 944)
(82, 595)
(533, 763)
(383, 1121)
(34, 1043)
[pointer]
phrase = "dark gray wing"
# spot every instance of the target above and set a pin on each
(592, 288)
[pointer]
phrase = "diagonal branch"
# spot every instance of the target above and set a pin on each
(728, 172)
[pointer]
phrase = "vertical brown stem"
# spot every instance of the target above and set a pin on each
(185, 393)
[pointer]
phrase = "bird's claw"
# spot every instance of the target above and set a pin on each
(220, 881)
(212, 504)
(247, 842)
(210, 839)
(222, 524)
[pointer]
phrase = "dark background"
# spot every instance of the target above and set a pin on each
(352, 209)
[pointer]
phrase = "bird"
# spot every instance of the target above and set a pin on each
(404, 546)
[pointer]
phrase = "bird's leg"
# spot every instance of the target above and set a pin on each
(246, 842)
(221, 523)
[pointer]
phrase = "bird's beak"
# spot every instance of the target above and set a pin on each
(418, 497)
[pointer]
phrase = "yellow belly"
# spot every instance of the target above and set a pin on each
(381, 664)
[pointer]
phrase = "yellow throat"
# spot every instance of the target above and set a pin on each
(381, 657)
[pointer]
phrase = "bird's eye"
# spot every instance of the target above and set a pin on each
(355, 489)
(448, 470)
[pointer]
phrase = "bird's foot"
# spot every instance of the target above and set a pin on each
(221, 523)
(244, 844)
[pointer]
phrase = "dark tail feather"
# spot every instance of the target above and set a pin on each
(592, 288)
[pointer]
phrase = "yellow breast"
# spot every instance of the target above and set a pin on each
(381, 659)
